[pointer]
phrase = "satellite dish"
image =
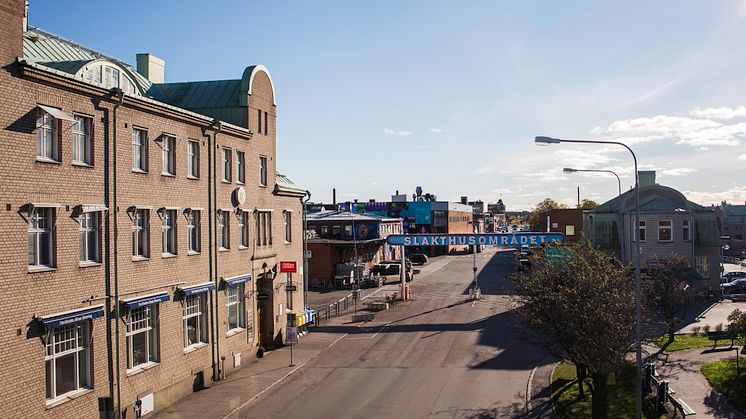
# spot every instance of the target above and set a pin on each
(239, 196)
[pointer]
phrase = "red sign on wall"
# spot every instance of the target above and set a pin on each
(290, 267)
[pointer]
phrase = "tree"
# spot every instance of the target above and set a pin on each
(582, 302)
(666, 280)
(587, 204)
(545, 205)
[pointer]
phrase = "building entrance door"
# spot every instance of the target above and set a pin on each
(264, 313)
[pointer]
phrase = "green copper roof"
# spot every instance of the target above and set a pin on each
(283, 185)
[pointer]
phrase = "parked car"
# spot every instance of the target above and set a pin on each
(390, 272)
(730, 276)
(418, 258)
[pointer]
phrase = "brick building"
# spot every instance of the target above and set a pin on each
(148, 210)
(566, 221)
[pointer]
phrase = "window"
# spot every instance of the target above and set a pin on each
(642, 232)
(168, 227)
(193, 159)
(243, 227)
(235, 307)
(90, 237)
(262, 171)
(686, 231)
(569, 230)
(336, 230)
(664, 231)
(68, 360)
(82, 140)
(348, 230)
(227, 163)
(702, 265)
(140, 233)
(224, 229)
(168, 156)
(41, 238)
(265, 123)
(142, 336)
(47, 136)
(195, 330)
(286, 218)
(240, 167)
(193, 231)
(139, 150)
(259, 121)
(264, 228)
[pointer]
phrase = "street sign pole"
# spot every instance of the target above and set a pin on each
(403, 272)
(474, 268)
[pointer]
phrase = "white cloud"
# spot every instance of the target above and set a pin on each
(679, 171)
(392, 132)
(501, 190)
(374, 183)
(735, 194)
(719, 113)
(436, 130)
(742, 157)
(585, 158)
(742, 9)
(484, 170)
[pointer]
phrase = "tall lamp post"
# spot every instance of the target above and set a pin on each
(543, 140)
(568, 171)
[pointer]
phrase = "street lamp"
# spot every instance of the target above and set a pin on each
(543, 140)
(568, 171)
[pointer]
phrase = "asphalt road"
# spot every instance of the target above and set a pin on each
(439, 355)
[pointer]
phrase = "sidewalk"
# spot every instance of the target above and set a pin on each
(225, 398)
(682, 370)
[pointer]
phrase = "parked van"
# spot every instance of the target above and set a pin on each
(390, 272)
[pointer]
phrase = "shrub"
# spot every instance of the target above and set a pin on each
(719, 327)
(706, 329)
(696, 330)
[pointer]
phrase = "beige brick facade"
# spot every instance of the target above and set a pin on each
(27, 295)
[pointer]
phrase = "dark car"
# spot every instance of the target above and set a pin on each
(418, 258)
(730, 276)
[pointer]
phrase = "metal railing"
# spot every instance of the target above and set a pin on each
(336, 308)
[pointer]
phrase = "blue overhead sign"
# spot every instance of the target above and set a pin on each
(487, 239)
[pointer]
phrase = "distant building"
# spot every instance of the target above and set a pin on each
(566, 221)
(669, 225)
(732, 219)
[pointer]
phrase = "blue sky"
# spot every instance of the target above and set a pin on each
(380, 96)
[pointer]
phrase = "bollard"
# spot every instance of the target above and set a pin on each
(662, 396)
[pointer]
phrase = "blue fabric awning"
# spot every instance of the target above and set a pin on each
(197, 289)
(237, 280)
(56, 321)
(146, 300)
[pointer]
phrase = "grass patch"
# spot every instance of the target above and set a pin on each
(684, 342)
(723, 378)
(621, 394)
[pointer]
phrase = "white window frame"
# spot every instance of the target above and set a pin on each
(662, 228)
(227, 165)
(73, 340)
(139, 150)
(642, 232)
(82, 142)
(224, 227)
(168, 236)
(194, 238)
(243, 228)
(240, 167)
(686, 230)
(193, 159)
(147, 323)
(264, 228)
(263, 171)
(48, 129)
(235, 302)
(168, 156)
(35, 233)
(90, 231)
(287, 220)
(194, 307)
(141, 233)
(702, 266)
(569, 229)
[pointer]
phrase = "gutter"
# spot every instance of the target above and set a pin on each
(120, 99)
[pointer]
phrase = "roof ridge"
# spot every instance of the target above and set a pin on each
(99, 54)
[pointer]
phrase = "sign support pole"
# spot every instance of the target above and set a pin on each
(402, 272)
(474, 268)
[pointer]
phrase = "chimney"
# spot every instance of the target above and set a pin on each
(334, 196)
(646, 178)
(12, 24)
(464, 200)
(152, 67)
(25, 18)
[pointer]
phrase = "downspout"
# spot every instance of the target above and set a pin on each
(216, 128)
(305, 251)
(210, 216)
(120, 99)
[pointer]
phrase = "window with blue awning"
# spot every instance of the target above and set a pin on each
(146, 300)
(197, 289)
(56, 321)
(237, 280)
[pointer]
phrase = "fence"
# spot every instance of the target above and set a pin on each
(330, 311)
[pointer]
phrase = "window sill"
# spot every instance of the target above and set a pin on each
(166, 174)
(37, 269)
(238, 182)
(262, 186)
(193, 253)
(192, 348)
(46, 160)
(234, 332)
(140, 368)
(288, 243)
(192, 177)
(665, 241)
(82, 164)
(139, 258)
(144, 172)
(88, 264)
(168, 255)
(223, 249)
(67, 397)
(226, 181)
(243, 247)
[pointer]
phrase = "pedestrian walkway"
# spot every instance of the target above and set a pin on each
(223, 399)
(682, 370)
